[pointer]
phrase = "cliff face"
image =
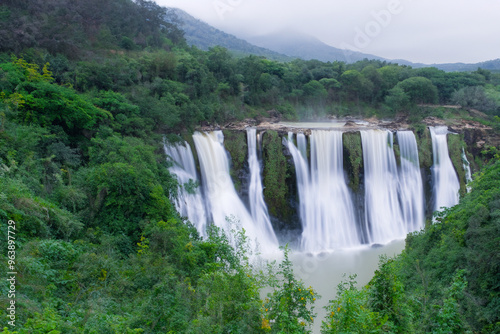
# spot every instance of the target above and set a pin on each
(476, 135)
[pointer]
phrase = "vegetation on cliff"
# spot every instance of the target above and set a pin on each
(275, 176)
(236, 144)
(353, 158)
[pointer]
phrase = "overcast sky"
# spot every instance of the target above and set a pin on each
(427, 31)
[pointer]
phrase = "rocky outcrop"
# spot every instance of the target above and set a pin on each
(476, 135)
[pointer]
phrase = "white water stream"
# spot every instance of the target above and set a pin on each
(383, 214)
(326, 208)
(410, 182)
(445, 180)
(468, 174)
(226, 208)
(189, 201)
(258, 207)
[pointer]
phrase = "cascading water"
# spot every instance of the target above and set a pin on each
(383, 216)
(258, 207)
(189, 201)
(302, 145)
(468, 174)
(306, 198)
(410, 182)
(393, 203)
(220, 193)
(445, 179)
(327, 212)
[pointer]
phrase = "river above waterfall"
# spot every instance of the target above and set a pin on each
(314, 125)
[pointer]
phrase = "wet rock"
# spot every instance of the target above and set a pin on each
(350, 124)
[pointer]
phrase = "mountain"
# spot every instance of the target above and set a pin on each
(491, 65)
(283, 46)
(287, 45)
(306, 47)
(204, 36)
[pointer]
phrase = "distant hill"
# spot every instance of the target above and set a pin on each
(204, 36)
(306, 47)
(491, 65)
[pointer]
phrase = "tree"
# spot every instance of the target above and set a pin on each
(220, 63)
(356, 85)
(315, 91)
(397, 99)
(386, 297)
(485, 73)
(289, 308)
(371, 74)
(39, 101)
(349, 312)
(474, 97)
(449, 318)
(419, 90)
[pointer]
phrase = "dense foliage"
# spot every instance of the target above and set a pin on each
(88, 89)
(135, 50)
(99, 244)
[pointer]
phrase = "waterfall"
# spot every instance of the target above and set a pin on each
(393, 197)
(327, 212)
(383, 215)
(306, 198)
(258, 207)
(445, 179)
(224, 203)
(468, 174)
(302, 145)
(410, 182)
(189, 201)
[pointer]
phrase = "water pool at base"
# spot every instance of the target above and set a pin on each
(325, 271)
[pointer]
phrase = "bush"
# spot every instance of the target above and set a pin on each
(289, 308)
(350, 312)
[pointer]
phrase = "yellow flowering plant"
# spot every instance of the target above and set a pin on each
(289, 308)
(349, 313)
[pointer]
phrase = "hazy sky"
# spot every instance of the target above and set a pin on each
(427, 31)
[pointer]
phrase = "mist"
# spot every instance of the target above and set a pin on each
(419, 31)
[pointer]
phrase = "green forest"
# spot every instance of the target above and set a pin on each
(89, 89)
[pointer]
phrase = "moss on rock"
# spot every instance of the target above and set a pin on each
(353, 158)
(275, 176)
(455, 145)
(397, 151)
(424, 144)
(236, 143)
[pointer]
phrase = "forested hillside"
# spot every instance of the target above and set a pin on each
(89, 89)
(204, 36)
